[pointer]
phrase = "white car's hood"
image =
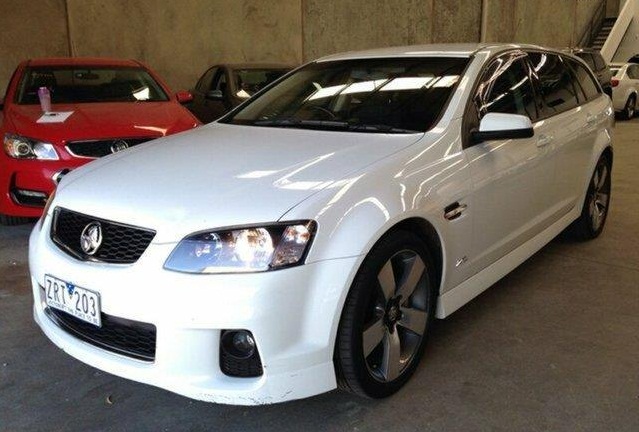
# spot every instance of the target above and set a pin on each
(219, 175)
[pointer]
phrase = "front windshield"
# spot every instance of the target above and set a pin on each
(392, 95)
(90, 84)
(250, 81)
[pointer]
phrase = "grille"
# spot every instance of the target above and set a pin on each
(130, 338)
(241, 368)
(121, 244)
(100, 148)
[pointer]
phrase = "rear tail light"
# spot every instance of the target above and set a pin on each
(614, 82)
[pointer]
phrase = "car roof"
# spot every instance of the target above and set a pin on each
(83, 61)
(577, 50)
(431, 50)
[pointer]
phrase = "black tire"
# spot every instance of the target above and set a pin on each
(360, 373)
(630, 109)
(13, 220)
(597, 199)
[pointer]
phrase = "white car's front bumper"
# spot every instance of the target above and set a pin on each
(292, 313)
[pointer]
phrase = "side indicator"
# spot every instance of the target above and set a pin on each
(461, 261)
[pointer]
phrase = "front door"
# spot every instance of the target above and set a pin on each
(511, 178)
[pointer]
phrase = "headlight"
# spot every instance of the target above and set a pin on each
(241, 250)
(19, 147)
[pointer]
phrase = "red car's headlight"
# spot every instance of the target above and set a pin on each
(19, 147)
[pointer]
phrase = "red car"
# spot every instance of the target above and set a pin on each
(100, 106)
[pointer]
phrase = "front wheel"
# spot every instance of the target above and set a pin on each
(594, 213)
(386, 318)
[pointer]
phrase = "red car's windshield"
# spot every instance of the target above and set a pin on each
(88, 84)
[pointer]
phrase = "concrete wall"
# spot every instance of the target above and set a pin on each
(181, 38)
(555, 23)
(30, 28)
(338, 25)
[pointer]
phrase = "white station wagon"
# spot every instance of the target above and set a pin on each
(307, 240)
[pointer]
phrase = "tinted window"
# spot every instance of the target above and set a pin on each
(506, 88)
(599, 61)
(364, 95)
(204, 84)
(588, 59)
(555, 81)
(219, 83)
(585, 80)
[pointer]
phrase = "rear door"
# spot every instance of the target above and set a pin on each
(571, 118)
(511, 177)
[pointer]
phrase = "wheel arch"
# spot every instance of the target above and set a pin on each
(431, 238)
(426, 232)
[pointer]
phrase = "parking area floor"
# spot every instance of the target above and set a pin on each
(554, 346)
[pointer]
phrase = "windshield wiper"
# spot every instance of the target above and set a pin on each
(299, 123)
(379, 128)
(332, 125)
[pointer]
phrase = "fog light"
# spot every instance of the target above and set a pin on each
(239, 344)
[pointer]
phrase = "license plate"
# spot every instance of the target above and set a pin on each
(79, 302)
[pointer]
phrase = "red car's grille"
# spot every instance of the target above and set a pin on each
(100, 148)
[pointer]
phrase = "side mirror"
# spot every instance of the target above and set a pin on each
(184, 97)
(215, 95)
(498, 126)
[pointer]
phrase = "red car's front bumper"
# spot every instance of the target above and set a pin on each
(26, 184)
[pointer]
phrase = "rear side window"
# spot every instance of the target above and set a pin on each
(585, 80)
(633, 72)
(556, 82)
(599, 61)
(506, 88)
(588, 59)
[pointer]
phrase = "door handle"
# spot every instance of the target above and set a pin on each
(454, 210)
(591, 120)
(544, 140)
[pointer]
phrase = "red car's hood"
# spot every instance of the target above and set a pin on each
(101, 120)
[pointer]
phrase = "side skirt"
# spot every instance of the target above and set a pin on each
(456, 297)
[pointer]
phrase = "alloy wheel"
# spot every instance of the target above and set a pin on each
(397, 316)
(600, 196)
(630, 108)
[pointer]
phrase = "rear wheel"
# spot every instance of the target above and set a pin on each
(630, 108)
(595, 210)
(386, 318)
(13, 220)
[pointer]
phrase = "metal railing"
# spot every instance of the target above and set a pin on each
(594, 26)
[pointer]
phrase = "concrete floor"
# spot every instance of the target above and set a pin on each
(552, 347)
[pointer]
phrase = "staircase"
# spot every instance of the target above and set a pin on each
(601, 37)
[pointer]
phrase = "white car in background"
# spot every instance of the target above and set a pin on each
(625, 88)
(306, 240)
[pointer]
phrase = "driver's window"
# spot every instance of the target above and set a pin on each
(508, 89)
(504, 87)
(204, 84)
(220, 82)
